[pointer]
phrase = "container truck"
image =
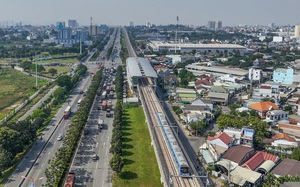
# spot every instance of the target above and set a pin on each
(104, 105)
(67, 112)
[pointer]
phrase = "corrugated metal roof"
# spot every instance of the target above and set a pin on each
(138, 67)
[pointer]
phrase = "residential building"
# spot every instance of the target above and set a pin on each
(276, 115)
(202, 102)
(261, 162)
(218, 94)
(244, 177)
(289, 129)
(247, 136)
(283, 140)
(287, 167)
(255, 74)
(218, 144)
(285, 76)
(64, 33)
(263, 107)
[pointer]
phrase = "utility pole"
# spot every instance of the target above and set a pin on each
(80, 43)
(176, 35)
(36, 76)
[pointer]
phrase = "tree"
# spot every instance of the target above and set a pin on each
(289, 109)
(296, 154)
(52, 71)
(5, 159)
(198, 126)
(116, 163)
(26, 65)
(65, 81)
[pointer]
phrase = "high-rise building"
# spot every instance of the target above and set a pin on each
(297, 31)
(65, 33)
(94, 30)
(81, 35)
(210, 24)
(131, 24)
(218, 24)
(72, 23)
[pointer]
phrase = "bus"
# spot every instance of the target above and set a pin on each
(70, 181)
(79, 101)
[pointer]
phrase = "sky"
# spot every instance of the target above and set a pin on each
(159, 12)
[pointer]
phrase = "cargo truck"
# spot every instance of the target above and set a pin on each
(104, 105)
(109, 105)
(103, 95)
(67, 112)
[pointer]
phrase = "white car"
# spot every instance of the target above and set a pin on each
(59, 138)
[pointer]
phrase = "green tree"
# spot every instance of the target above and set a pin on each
(296, 154)
(5, 159)
(26, 65)
(116, 163)
(65, 81)
(52, 71)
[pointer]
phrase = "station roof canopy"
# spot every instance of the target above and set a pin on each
(140, 67)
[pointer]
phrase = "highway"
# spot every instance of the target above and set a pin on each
(96, 172)
(33, 166)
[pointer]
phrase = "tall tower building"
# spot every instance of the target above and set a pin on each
(297, 31)
(65, 33)
(72, 23)
(218, 24)
(210, 24)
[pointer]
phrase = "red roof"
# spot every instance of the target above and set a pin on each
(222, 136)
(265, 87)
(283, 136)
(259, 158)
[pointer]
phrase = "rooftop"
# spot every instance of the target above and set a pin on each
(283, 136)
(237, 153)
(263, 106)
(218, 69)
(222, 136)
(259, 158)
(287, 167)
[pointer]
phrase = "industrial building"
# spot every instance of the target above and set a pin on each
(197, 69)
(189, 47)
(137, 68)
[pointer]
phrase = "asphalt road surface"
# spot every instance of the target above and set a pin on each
(96, 172)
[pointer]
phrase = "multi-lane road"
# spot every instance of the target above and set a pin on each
(33, 166)
(96, 172)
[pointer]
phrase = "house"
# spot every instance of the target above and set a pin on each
(193, 117)
(255, 74)
(247, 136)
(263, 107)
(162, 71)
(244, 177)
(267, 90)
(233, 157)
(203, 102)
(218, 144)
(283, 140)
(261, 162)
(228, 78)
(276, 115)
(170, 82)
(287, 167)
(289, 129)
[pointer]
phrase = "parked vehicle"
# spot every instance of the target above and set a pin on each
(104, 105)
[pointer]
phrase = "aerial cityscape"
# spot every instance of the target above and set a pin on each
(200, 95)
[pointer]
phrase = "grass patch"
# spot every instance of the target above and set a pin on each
(60, 69)
(15, 88)
(140, 165)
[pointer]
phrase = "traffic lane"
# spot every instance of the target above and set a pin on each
(48, 152)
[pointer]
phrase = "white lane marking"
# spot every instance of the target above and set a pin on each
(42, 165)
(49, 153)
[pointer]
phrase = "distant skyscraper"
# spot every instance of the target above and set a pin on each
(271, 25)
(131, 24)
(210, 24)
(214, 25)
(94, 30)
(297, 31)
(72, 23)
(218, 24)
(81, 34)
(64, 33)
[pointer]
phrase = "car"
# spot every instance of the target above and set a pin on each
(95, 157)
(60, 137)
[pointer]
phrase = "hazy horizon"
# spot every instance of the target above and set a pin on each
(118, 12)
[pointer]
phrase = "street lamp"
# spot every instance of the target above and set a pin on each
(32, 180)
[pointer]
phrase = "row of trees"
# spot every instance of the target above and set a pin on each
(116, 163)
(60, 163)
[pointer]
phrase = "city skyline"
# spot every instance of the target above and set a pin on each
(117, 12)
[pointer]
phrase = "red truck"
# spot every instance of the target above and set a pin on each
(67, 112)
(104, 105)
(107, 89)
